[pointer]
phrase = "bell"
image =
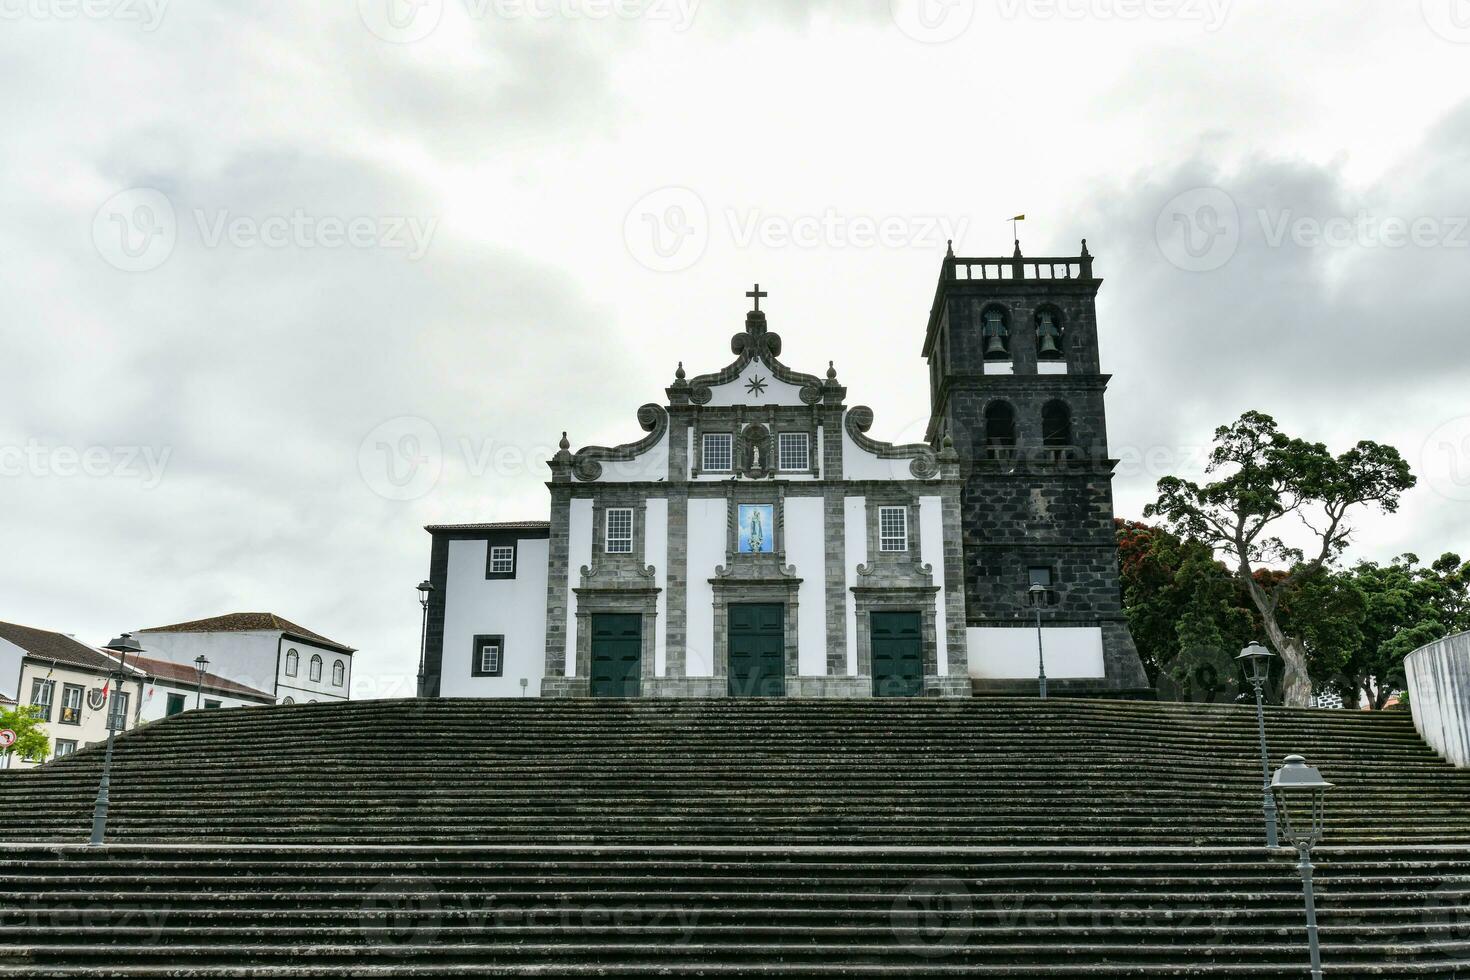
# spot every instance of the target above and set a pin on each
(1049, 348)
(994, 347)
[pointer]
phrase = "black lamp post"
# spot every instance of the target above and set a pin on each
(122, 646)
(1256, 660)
(425, 588)
(1037, 595)
(200, 663)
(1302, 794)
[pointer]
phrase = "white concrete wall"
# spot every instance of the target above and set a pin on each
(806, 550)
(1439, 695)
(855, 516)
(650, 467)
(155, 699)
(513, 608)
(931, 553)
(579, 555)
(1009, 653)
(301, 689)
(656, 553)
(10, 658)
(93, 725)
(247, 658)
(735, 393)
(706, 551)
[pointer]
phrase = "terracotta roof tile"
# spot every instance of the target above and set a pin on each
(167, 670)
(247, 622)
(50, 645)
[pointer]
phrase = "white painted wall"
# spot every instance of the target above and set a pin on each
(579, 555)
(1009, 653)
(301, 689)
(247, 657)
(859, 464)
(650, 467)
(1439, 696)
(656, 553)
(93, 725)
(155, 699)
(513, 608)
(931, 552)
(806, 551)
(10, 658)
(776, 393)
(706, 551)
(855, 516)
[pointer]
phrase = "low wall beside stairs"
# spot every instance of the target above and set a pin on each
(1439, 694)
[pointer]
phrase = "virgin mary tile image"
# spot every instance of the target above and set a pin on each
(757, 529)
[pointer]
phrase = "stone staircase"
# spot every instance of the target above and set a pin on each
(995, 837)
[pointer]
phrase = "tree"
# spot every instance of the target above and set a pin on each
(1265, 477)
(31, 743)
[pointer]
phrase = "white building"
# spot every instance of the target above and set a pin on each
(260, 652)
(173, 688)
(65, 679)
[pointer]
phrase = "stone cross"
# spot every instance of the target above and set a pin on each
(757, 295)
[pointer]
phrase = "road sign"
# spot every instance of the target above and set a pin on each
(7, 738)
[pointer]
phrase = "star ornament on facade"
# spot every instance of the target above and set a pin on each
(756, 386)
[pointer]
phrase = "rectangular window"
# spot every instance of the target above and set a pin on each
(175, 705)
(1040, 575)
(208, 703)
(502, 560)
(489, 657)
(620, 531)
(64, 746)
(71, 704)
(43, 692)
(719, 452)
(117, 718)
(794, 449)
(893, 529)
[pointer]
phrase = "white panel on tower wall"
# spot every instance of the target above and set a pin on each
(476, 606)
(931, 553)
(579, 553)
(706, 551)
(1051, 367)
(651, 467)
(855, 519)
(656, 553)
(806, 549)
(1009, 652)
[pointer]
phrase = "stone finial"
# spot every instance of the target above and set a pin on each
(831, 371)
(1085, 252)
(679, 372)
(949, 249)
(564, 444)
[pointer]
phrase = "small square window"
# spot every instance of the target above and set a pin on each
(64, 746)
(489, 657)
(502, 560)
(620, 531)
(719, 450)
(1040, 575)
(893, 529)
(794, 451)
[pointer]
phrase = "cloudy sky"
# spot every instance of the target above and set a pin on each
(281, 283)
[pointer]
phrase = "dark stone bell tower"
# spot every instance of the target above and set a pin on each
(1015, 381)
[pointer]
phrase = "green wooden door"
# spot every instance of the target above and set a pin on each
(758, 650)
(617, 658)
(898, 661)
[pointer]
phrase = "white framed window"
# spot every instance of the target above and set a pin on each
(292, 659)
(502, 560)
(620, 531)
(339, 673)
(893, 529)
(794, 451)
(316, 667)
(719, 452)
(64, 746)
(489, 657)
(43, 692)
(117, 715)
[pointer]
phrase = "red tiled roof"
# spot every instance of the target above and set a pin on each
(50, 645)
(249, 622)
(167, 670)
(501, 526)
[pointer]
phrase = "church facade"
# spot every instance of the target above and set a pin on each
(758, 541)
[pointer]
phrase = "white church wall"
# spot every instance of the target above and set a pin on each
(931, 553)
(859, 464)
(579, 553)
(656, 553)
(301, 688)
(776, 392)
(806, 549)
(1009, 652)
(650, 467)
(855, 517)
(249, 657)
(706, 551)
(476, 606)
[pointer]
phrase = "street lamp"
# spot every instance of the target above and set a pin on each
(425, 588)
(122, 646)
(1256, 660)
(1302, 794)
(1037, 594)
(200, 663)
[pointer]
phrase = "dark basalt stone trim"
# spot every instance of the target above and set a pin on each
(859, 420)
(587, 462)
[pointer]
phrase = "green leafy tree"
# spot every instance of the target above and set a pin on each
(1262, 478)
(31, 743)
